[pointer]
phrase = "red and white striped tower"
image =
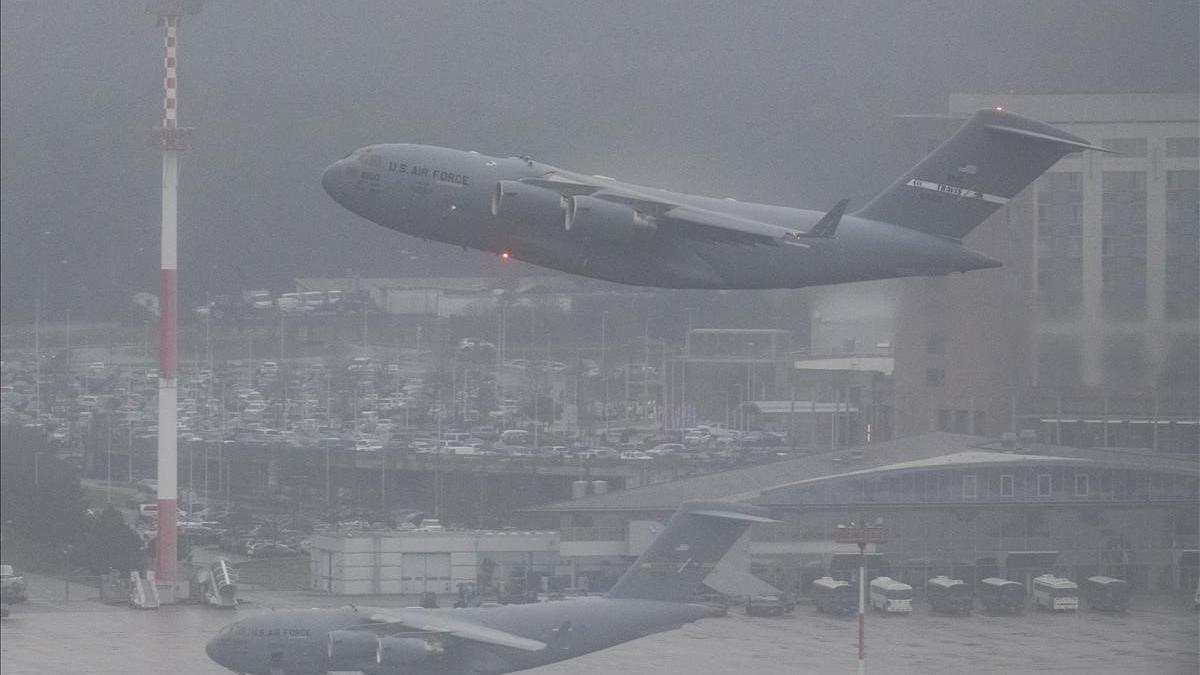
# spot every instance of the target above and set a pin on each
(171, 139)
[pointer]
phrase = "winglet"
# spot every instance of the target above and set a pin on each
(826, 226)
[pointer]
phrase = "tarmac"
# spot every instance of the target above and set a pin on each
(51, 634)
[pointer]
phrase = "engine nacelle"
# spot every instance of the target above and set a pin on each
(397, 651)
(521, 204)
(592, 217)
(354, 649)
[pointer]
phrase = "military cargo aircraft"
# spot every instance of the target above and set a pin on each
(649, 598)
(599, 227)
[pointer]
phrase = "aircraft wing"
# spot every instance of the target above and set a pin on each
(685, 220)
(426, 622)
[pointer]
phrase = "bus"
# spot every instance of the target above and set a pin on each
(1106, 594)
(1001, 596)
(1055, 593)
(949, 596)
(834, 596)
(891, 596)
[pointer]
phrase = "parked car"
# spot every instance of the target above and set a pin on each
(767, 605)
(12, 585)
(270, 549)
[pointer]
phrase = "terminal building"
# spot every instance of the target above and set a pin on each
(949, 504)
(398, 562)
(1090, 332)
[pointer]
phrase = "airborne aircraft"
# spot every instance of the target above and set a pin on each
(600, 227)
(650, 597)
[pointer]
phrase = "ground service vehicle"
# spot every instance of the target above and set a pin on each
(949, 596)
(834, 596)
(1055, 593)
(767, 605)
(1001, 596)
(890, 596)
(1106, 594)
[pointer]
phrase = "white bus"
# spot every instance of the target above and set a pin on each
(834, 596)
(1055, 593)
(891, 596)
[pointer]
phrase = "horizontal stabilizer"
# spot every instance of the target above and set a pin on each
(1071, 142)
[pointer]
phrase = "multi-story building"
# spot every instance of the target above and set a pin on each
(1090, 332)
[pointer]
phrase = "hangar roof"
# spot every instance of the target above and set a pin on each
(928, 450)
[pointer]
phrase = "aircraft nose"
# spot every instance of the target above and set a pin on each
(213, 649)
(334, 178)
(216, 650)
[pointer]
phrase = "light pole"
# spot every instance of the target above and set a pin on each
(108, 462)
(604, 367)
(861, 534)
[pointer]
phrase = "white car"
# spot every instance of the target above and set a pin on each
(635, 455)
(368, 445)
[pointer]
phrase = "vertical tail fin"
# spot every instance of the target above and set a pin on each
(991, 158)
(694, 540)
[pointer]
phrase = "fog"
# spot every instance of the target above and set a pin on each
(784, 102)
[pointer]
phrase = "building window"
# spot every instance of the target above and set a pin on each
(1044, 484)
(943, 423)
(1059, 360)
(1123, 248)
(979, 429)
(1006, 486)
(1181, 371)
(1183, 147)
(1182, 245)
(1060, 244)
(935, 344)
(934, 377)
(969, 486)
(1125, 147)
(1081, 485)
(1124, 360)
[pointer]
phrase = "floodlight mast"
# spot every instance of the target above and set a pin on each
(170, 139)
(861, 534)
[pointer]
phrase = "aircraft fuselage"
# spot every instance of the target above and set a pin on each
(447, 195)
(296, 642)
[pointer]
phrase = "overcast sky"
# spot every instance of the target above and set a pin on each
(784, 102)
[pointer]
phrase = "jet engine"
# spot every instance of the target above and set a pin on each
(587, 216)
(397, 651)
(521, 204)
(354, 649)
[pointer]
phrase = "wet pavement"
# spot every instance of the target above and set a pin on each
(1160, 634)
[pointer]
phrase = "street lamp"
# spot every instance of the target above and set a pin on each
(861, 534)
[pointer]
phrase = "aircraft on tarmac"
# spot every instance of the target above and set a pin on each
(599, 227)
(650, 597)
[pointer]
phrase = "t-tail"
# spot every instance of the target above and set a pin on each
(991, 158)
(687, 550)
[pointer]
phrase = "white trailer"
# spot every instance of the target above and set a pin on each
(891, 596)
(1055, 593)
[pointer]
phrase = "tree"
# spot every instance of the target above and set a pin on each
(107, 543)
(40, 494)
